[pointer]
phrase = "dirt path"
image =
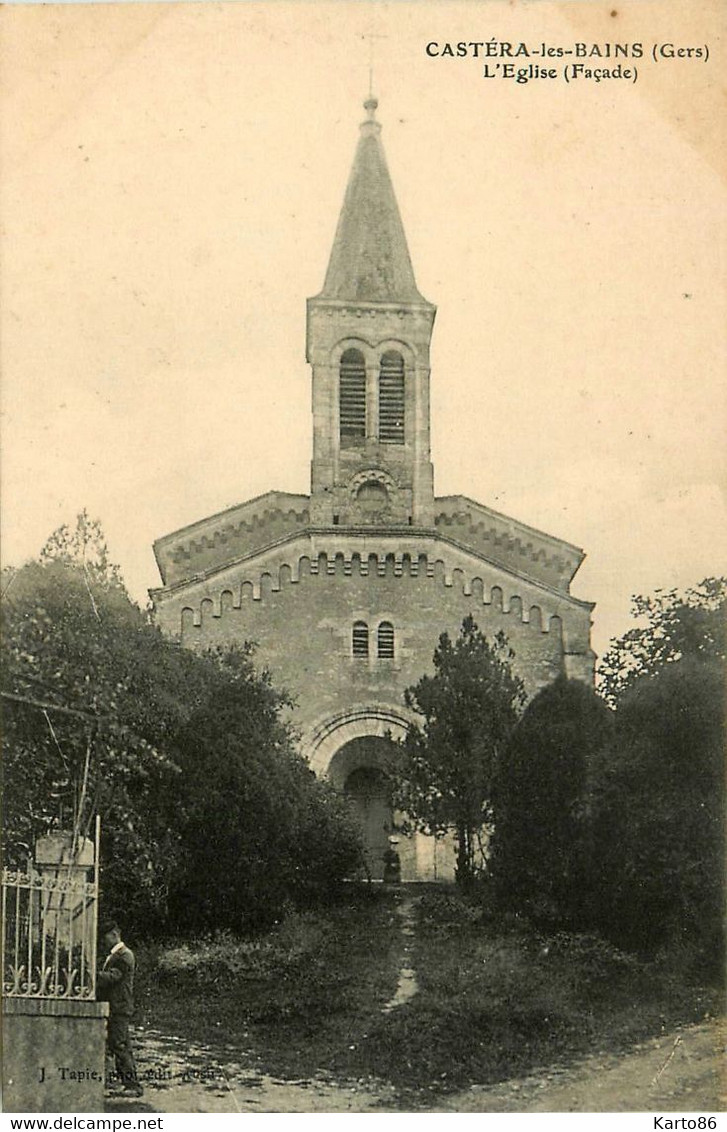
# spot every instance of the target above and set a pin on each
(407, 985)
(181, 1076)
(680, 1072)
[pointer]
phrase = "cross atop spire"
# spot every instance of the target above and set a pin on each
(370, 258)
(371, 37)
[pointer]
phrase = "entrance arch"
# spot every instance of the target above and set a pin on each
(325, 738)
(329, 748)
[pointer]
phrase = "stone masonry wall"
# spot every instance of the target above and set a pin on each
(222, 538)
(303, 630)
(507, 543)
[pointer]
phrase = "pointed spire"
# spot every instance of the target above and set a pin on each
(370, 258)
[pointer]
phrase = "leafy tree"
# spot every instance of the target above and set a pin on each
(184, 757)
(259, 830)
(80, 737)
(673, 626)
(83, 546)
(657, 813)
(538, 852)
(470, 706)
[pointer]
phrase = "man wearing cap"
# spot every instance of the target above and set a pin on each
(115, 985)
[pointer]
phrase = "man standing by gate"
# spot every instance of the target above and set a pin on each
(115, 985)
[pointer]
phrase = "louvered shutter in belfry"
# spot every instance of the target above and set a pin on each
(352, 394)
(391, 398)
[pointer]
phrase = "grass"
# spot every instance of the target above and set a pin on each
(296, 995)
(495, 1000)
(498, 1002)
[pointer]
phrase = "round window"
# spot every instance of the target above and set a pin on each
(372, 497)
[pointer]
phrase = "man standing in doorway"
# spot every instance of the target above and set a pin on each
(115, 985)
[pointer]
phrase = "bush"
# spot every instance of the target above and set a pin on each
(449, 908)
(657, 815)
(225, 958)
(263, 835)
(538, 847)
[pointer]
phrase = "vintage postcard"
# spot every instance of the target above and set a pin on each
(361, 362)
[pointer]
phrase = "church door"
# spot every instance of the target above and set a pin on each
(369, 791)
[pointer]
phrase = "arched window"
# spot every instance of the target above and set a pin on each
(391, 398)
(352, 394)
(360, 639)
(386, 641)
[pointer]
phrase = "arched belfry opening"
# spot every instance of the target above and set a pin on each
(391, 398)
(352, 396)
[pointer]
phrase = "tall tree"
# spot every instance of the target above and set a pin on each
(185, 757)
(538, 853)
(469, 707)
(672, 625)
(258, 829)
(83, 546)
(81, 735)
(657, 812)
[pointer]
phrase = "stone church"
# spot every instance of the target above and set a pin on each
(346, 590)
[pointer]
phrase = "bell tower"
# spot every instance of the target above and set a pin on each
(368, 335)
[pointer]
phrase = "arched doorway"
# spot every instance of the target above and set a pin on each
(359, 770)
(338, 745)
(369, 792)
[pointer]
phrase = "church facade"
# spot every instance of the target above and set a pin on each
(346, 590)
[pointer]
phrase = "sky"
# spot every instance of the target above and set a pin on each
(173, 177)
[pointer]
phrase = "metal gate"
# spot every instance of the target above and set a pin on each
(49, 927)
